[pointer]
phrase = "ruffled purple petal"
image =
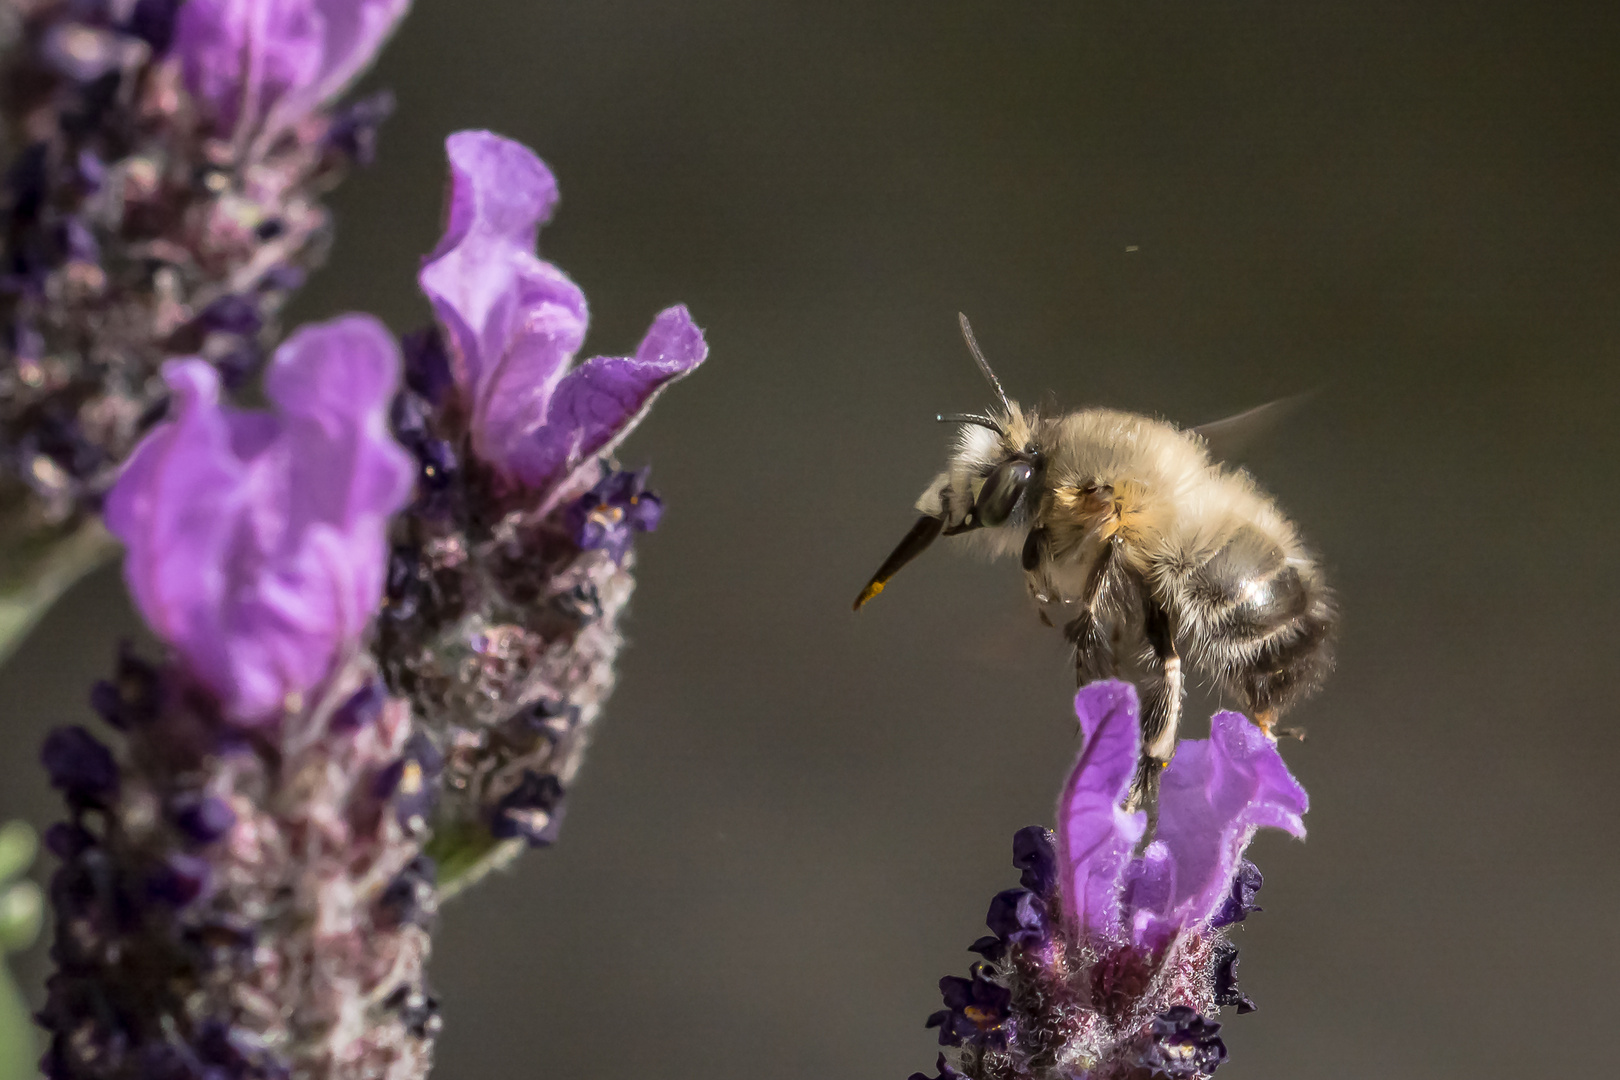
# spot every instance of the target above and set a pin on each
(256, 542)
(1095, 836)
(277, 59)
(1211, 799)
(600, 402)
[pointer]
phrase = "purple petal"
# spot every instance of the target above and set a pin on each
(1212, 798)
(277, 59)
(513, 322)
(256, 542)
(1095, 836)
(600, 402)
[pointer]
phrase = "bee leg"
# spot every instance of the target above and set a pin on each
(1088, 632)
(1161, 712)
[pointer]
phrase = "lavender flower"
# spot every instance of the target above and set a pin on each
(256, 541)
(1110, 961)
(514, 323)
(269, 64)
(513, 564)
(242, 890)
(167, 201)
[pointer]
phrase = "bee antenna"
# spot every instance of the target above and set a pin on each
(971, 418)
(984, 365)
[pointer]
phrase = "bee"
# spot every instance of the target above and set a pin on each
(1158, 550)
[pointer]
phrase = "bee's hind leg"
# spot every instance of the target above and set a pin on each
(1161, 711)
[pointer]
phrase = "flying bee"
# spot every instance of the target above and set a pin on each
(1158, 550)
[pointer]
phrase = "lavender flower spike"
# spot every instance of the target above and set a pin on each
(514, 323)
(513, 565)
(277, 61)
(1110, 967)
(257, 542)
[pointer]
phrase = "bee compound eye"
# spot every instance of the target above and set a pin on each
(1001, 492)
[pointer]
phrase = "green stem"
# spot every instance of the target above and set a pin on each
(35, 572)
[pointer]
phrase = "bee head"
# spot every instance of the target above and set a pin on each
(988, 479)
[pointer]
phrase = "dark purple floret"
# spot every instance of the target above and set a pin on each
(608, 516)
(1236, 907)
(362, 708)
(153, 22)
(427, 365)
(202, 819)
(354, 127)
(1184, 1044)
(67, 841)
(1018, 917)
(80, 767)
(976, 1010)
(418, 1011)
(132, 697)
(945, 1072)
(179, 881)
(409, 897)
(232, 314)
(1226, 985)
(412, 782)
(548, 718)
(1035, 853)
(533, 810)
(240, 365)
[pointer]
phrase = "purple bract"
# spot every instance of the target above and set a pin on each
(272, 62)
(1212, 798)
(256, 541)
(513, 323)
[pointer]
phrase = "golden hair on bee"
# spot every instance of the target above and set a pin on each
(1130, 523)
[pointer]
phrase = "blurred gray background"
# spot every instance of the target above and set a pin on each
(795, 817)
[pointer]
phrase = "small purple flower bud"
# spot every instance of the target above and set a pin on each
(78, 242)
(418, 1011)
(91, 171)
(231, 314)
(976, 1010)
(153, 22)
(130, 699)
(1018, 917)
(1226, 985)
(409, 898)
(361, 709)
(427, 365)
(551, 719)
(1240, 901)
(179, 881)
(1185, 1045)
(238, 367)
(67, 841)
(607, 517)
(1035, 853)
(412, 782)
(354, 127)
(202, 819)
(80, 766)
(533, 810)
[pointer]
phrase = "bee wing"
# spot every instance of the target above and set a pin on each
(1230, 437)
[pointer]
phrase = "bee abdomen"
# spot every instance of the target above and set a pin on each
(1261, 620)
